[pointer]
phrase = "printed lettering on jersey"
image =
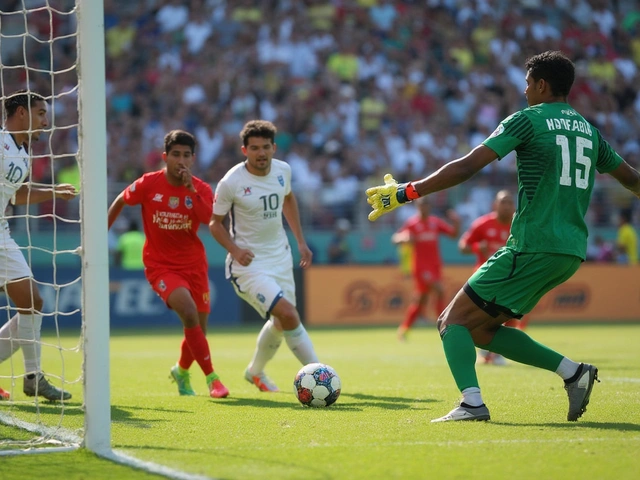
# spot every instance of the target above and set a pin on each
(172, 220)
(174, 202)
(247, 191)
(491, 232)
(281, 180)
(188, 202)
(157, 197)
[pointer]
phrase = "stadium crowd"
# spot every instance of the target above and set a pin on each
(357, 88)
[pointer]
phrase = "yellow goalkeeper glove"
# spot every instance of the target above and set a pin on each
(389, 196)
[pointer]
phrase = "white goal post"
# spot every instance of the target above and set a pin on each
(93, 213)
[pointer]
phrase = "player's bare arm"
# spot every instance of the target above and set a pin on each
(456, 171)
(628, 177)
(243, 256)
(403, 236)
(292, 214)
(31, 194)
(115, 208)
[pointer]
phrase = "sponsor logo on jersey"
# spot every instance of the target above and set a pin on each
(260, 298)
(188, 202)
(281, 180)
(157, 197)
(247, 191)
(205, 297)
(7, 147)
(161, 286)
(569, 112)
(174, 202)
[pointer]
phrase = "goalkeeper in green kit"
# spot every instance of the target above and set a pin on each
(558, 153)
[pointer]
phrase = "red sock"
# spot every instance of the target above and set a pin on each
(186, 357)
(199, 347)
(412, 315)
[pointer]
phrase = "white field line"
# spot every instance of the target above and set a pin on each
(68, 441)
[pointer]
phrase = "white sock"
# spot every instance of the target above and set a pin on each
(471, 396)
(300, 345)
(567, 368)
(9, 338)
(269, 340)
(29, 339)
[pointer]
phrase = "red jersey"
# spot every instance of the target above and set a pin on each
(171, 216)
(425, 239)
(487, 229)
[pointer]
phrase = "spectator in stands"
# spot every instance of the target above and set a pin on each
(339, 251)
(128, 252)
(627, 242)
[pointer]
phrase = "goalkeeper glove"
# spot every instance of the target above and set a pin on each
(389, 196)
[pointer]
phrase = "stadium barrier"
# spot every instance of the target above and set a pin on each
(379, 295)
(132, 302)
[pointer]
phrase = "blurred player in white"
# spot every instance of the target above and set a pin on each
(26, 117)
(256, 194)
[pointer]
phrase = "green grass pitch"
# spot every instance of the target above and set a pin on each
(378, 429)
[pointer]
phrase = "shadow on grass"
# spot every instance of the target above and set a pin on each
(621, 427)
(46, 408)
(359, 402)
(125, 415)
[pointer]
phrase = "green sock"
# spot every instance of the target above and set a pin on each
(520, 347)
(211, 377)
(461, 355)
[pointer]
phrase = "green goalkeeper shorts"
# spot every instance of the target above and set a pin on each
(512, 283)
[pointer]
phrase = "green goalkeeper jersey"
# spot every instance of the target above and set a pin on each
(556, 152)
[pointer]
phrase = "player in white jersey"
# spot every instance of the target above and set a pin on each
(26, 117)
(256, 194)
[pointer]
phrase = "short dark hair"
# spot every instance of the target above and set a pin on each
(555, 68)
(258, 128)
(21, 98)
(179, 137)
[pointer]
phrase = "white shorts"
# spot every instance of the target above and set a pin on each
(262, 289)
(12, 263)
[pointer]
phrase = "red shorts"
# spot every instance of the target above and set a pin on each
(424, 279)
(164, 282)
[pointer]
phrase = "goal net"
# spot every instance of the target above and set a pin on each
(55, 48)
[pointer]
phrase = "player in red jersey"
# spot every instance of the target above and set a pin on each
(174, 204)
(423, 231)
(484, 237)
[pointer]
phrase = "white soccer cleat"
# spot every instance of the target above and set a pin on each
(465, 412)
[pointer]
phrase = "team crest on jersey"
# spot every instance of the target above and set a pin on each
(497, 131)
(157, 197)
(260, 298)
(188, 202)
(205, 297)
(174, 202)
(281, 180)
(247, 191)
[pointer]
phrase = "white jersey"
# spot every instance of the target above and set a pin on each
(14, 162)
(255, 206)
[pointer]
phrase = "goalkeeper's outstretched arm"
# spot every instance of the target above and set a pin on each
(387, 197)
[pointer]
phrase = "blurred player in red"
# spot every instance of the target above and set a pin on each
(422, 231)
(484, 237)
(174, 204)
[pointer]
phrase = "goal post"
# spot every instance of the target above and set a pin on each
(92, 161)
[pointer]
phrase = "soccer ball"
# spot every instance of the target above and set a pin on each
(317, 385)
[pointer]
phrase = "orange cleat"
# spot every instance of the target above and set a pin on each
(4, 395)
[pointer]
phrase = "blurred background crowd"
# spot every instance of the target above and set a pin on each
(357, 88)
